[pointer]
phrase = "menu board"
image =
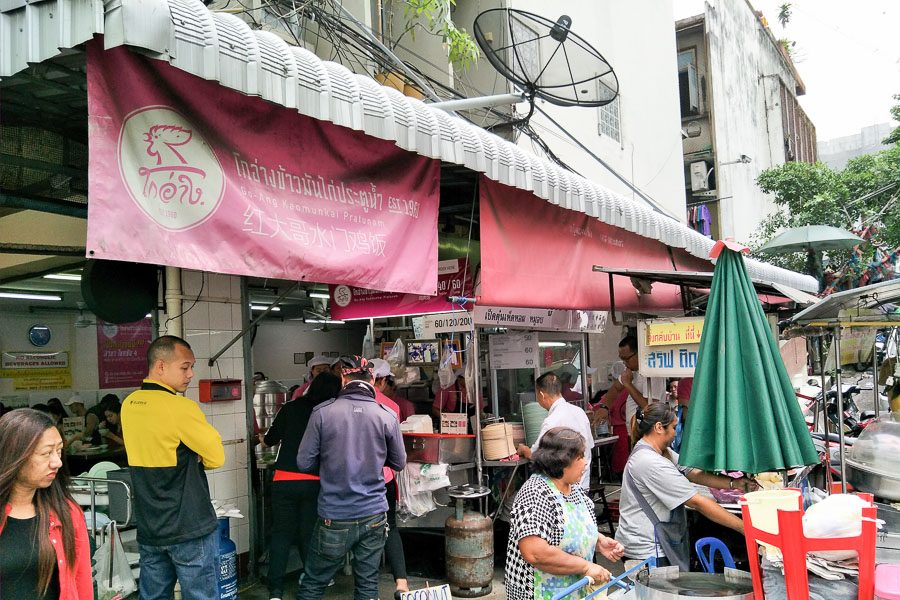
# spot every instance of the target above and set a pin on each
(514, 350)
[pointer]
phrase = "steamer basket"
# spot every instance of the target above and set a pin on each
(497, 441)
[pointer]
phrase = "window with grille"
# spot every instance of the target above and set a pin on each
(610, 124)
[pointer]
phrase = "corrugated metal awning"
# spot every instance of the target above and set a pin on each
(222, 47)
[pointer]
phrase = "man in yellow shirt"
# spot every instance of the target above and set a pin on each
(169, 444)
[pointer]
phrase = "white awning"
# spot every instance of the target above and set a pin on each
(222, 47)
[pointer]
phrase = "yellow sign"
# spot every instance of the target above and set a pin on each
(673, 333)
(39, 379)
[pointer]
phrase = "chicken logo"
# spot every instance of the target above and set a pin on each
(170, 171)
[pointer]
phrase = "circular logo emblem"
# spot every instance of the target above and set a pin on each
(110, 330)
(170, 171)
(342, 295)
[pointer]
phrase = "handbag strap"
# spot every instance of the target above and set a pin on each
(629, 482)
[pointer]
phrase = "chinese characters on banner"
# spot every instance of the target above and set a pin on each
(454, 278)
(122, 353)
(185, 172)
(668, 347)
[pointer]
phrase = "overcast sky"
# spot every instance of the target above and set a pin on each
(847, 53)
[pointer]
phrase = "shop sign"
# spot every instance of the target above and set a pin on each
(453, 322)
(36, 370)
(122, 353)
(454, 279)
(543, 319)
(513, 350)
(240, 186)
(668, 347)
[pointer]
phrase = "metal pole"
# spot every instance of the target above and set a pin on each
(476, 383)
(824, 401)
(840, 407)
(875, 377)
(478, 102)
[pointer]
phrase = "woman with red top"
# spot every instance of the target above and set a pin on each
(294, 494)
(44, 549)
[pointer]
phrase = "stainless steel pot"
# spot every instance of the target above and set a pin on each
(873, 462)
(867, 479)
(668, 583)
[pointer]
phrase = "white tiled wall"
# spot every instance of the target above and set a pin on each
(210, 324)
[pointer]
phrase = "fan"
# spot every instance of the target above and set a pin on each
(545, 58)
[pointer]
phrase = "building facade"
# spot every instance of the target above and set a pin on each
(738, 92)
(837, 151)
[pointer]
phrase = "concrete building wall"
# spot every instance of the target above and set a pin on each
(746, 71)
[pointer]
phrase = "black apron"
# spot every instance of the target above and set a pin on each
(672, 536)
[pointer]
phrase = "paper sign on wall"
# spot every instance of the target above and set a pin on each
(513, 350)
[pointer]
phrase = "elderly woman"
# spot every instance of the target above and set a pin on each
(43, 538)
(553, 535)
(656, 490)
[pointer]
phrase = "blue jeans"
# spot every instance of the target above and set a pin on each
(331, 541)
(192, 562)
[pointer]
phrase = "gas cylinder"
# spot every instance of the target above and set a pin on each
(469, 542)
(227, 563)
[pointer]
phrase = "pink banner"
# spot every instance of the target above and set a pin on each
(185, 172)
(538, 255)
(356, 303)
(122, 353)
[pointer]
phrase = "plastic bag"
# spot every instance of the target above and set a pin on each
(445, 371)
(397, 355)
(416, 482)
(111, 570)
(837, 516)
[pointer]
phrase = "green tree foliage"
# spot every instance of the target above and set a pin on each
(894, 136)
(866, 191)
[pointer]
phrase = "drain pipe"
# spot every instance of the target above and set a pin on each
(173, 302)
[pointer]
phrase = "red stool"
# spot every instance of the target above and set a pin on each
(794, 547)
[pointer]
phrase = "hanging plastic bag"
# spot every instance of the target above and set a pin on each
(111, 570)
(397, 355)
(445, 370)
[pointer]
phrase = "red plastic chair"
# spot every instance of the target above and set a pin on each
(795, 546)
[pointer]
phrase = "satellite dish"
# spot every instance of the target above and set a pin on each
(544, 58)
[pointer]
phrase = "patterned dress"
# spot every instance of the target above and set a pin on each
(567, 521)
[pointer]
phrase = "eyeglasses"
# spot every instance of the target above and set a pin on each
(629, 357)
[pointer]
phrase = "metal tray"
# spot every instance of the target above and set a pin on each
(439, 448)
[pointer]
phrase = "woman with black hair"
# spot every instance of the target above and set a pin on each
(43, 537)
(553, 532)
(656, 490)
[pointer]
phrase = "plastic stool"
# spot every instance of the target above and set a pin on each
(887, 582)
(706, 549)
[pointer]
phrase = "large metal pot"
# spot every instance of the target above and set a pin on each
(668, 583)
(873, 462)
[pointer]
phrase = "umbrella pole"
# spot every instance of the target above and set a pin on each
(875, 379)
(824, 402)
(840, 407)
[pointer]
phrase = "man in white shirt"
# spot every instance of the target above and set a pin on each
(562, 414)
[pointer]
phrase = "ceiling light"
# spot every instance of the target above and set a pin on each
(23, 296)
(64, 276)
(321, 295)
(261, 307)
(328, 321)
(551, 344)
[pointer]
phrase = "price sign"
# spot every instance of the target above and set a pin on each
(514, 351)
(445, 323)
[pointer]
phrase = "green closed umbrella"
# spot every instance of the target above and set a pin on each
(743, 413)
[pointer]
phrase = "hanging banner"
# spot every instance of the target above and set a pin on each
(185, 172)
(542, 319)
(535, 254)
(668, 347)
(454, 278)
(36, 370)
(122, 353)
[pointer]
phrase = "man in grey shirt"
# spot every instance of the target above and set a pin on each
(348, 442)
(562, 414)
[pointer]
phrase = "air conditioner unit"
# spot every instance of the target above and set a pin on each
(699, 179)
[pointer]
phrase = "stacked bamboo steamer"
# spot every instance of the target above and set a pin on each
(497, 441)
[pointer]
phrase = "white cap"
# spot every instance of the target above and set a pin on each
(381, 368)
(74, 400)
(317, 360)
(591, 370)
